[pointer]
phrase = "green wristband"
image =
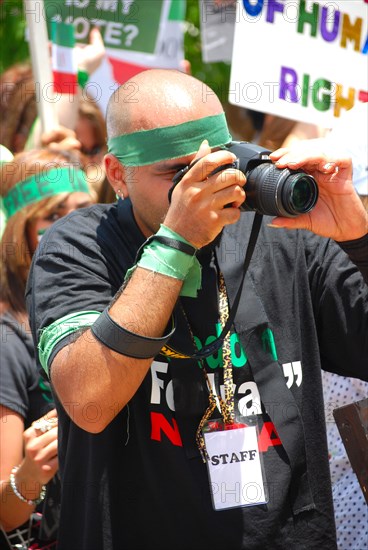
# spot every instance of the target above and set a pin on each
(160, 258)
(82, 78)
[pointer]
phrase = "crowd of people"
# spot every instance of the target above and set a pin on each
(146, 326)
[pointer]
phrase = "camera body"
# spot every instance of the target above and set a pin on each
(270, 190)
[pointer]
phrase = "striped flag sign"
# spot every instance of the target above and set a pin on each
(64, 60)
(167, 51)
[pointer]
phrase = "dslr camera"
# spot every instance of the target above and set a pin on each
(269, 190)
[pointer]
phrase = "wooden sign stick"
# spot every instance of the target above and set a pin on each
(41, 63)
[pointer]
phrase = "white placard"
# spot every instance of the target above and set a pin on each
(217, 22)
(299, 59)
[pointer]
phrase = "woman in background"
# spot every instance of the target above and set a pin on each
(37, 187)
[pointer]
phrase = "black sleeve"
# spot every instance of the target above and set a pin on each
(72, 271)
(357, 251)
(340, 296)
(22, 389)
(16, 367)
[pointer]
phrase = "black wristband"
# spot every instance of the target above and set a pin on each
(121, 340)
(172, 243)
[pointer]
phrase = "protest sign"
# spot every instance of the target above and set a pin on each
(217, 22)
(299, 59)
(64, 61)
(137, 34)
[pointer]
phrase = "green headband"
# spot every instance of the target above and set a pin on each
(169, 142)
(43, 185)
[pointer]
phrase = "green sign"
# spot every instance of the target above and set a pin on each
(131, 25)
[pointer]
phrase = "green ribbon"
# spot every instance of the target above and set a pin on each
(169, 142)
(160, 258)
(61, 328)
(43, 185)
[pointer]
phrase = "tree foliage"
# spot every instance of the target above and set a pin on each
(13, 47)
(216, 75)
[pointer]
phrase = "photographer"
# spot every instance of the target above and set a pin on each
(142, 390)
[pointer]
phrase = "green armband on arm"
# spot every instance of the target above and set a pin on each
(168, 253)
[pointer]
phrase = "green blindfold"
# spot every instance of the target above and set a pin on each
(169, 142)
(44, 185)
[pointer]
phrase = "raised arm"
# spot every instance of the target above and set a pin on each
(339, 213)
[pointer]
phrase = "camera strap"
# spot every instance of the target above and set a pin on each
(248, 256)
(223, 341)
(214, 346)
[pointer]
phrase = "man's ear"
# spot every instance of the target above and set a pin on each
(115, 173)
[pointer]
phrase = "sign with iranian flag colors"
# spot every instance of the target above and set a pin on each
(138, 34)
(64, 62)
(300, 59)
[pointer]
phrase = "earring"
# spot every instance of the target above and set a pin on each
(120, 195)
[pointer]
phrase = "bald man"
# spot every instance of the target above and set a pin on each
(176, 432)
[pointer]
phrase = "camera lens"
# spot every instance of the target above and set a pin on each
(276, 192)
(299, 193)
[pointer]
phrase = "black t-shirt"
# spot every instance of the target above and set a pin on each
(25, 391)
(141, 483)
(22, 388)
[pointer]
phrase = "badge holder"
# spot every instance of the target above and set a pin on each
(234, 463)
(229, 445)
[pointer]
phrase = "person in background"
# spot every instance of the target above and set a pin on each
(349, 136)
(267, 130)
(21, 129)
(351, 514)
(37, 187)
(90, 131)
(18, 106)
